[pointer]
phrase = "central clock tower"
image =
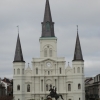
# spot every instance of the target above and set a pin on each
(48, 41)
(48, 67)
(48, 47)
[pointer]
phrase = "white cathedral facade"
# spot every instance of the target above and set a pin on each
(48, 69)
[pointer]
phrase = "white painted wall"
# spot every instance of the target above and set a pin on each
(38, 81)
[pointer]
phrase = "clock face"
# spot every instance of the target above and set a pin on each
(48, 64)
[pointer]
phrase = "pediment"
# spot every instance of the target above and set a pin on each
(69, 81)
(69, 71)
(28, 68)
(48, 59)
(28, 72)
(49, 81)
(28, 82)
(68, 67)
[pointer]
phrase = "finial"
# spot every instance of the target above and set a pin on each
(77, 28)
(28, 64)
(18, 28)
(68, 63)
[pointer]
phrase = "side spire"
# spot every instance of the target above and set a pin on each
(18, 52)
(47, 24)
(78, 53)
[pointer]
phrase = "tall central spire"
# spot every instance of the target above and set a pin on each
(47, 24)
(47, 14)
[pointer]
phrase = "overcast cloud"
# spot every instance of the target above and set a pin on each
(66, 14)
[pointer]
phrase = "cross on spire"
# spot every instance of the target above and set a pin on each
(77, 28)
(28, 64)
(18, 28)
(68, 63)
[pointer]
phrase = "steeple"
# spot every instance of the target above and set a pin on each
(47, 24)
(47, 14)
(78, 53)
(18, 52)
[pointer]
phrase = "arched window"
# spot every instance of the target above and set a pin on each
(22, 71)
(28, 88)
(14, 71)
(55, 82)
(18, 71)
(48, 72)
(78, 70)
(46, 87)
(99, 77)
(41, 85)
(48, 26)
(79, 86)
(82, 70)
(45, 52)
(93, 90)
(69, 87)
(50, 52)
(42, 98)
(18, 87)
(41, 69)
(79, 99)
(36, 70)
(60, 70)
(74, 69)
(18, 99)
(50, 86)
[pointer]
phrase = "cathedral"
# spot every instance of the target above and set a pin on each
(48, 70)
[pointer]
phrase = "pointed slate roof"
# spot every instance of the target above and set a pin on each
(18, 52)
(47, 24)
(78, 53)
(47, 14)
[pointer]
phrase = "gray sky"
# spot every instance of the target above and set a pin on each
(66, 14)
